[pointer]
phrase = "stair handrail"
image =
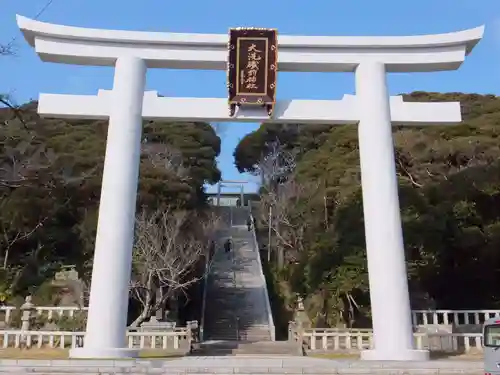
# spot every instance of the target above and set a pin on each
(208, 261)
(272, 327)
(235, 285)
(204, 302)
(237, 328)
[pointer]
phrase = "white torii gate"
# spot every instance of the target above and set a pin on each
(224, 183)
(370, 58)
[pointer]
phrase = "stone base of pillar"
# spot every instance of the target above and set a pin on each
(400, 355)
(103, 353)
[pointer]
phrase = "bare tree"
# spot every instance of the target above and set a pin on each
(9, 242)
(24, 163)
(162, 155)
(286, 220)
(168, 247)
(276, 164)
(7, 49)
(278, 202)
(6, 99)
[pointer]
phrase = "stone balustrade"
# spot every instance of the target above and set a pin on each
(333, 339)
(6, 314)
(354, 340)
(51, 312)
(177, 339)
(314, 340)
(452, 317)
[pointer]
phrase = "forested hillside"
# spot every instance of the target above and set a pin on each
(449, 180)
(50, 177)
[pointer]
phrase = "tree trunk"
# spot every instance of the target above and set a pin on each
(147, 307)
(144, 315)
(6, 259)
(281, 257)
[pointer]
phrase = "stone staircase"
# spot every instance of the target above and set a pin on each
(236, 307)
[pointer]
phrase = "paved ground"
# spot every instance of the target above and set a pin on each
(239, 365)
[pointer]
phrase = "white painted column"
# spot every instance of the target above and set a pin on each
(390, 303)
(107, 316)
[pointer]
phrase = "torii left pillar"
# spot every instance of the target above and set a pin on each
(109, 294)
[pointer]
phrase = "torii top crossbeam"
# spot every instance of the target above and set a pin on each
(66, 44)
(233, 182)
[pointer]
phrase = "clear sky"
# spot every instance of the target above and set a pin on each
(25, 76)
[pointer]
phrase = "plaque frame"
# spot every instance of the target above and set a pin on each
(252, 68)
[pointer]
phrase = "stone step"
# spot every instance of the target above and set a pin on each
(223, 328)
(242, 335)
(241, 331)
(223, 337)
(233, 330)
(248, 325)
(234, 337)
(255, 331)
(231, 326)
(248, 348)
(233, 316)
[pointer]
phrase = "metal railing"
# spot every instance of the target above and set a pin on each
(208, 261)
(272, 327)
(204, 299)
(235, 286)
(237, 328)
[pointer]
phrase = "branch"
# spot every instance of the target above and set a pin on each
(407, 172)
(164, 156)
(277, 162)
(16, 110)
(7, 49)
(18, 237)
(280, 237)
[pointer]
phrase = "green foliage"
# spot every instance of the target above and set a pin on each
(282, 311)
(449, 181)
(75, 323)
(50, 180)
(298, 138)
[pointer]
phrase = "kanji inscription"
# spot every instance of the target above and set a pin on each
(252, 68)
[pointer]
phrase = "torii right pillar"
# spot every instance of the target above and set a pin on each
(388, 279)
(390, 302)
